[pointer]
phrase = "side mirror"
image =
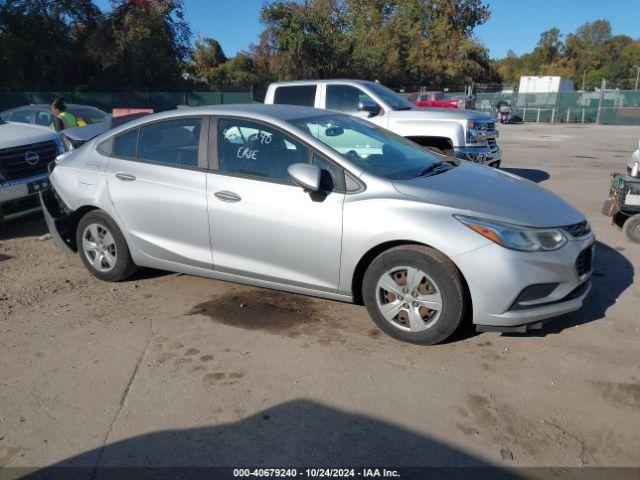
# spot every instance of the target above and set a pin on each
(369, 106)
(305, 175)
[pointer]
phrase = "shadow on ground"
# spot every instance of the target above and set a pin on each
(293, 434)
(28, 226)
(612, 275)
(533, 174)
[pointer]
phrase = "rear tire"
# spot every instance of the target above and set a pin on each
(102, 247)
(631, 228)
(415, 294)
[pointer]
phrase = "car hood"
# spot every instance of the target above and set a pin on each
(439, 114)
(489, 193)
(14, 134)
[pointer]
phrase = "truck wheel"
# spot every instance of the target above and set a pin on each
(631, 228)
(102, 247)
(415, 294)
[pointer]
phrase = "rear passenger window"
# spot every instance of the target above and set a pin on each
(174, 142)
(304, 95)
(124, 145)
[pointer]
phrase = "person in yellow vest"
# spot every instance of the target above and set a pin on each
(63, 119)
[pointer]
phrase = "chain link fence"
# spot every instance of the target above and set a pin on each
(158, 101)
(609, 107)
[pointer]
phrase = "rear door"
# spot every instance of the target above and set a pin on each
(263, 226)
(158, 188)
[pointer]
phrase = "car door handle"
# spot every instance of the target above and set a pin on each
(125, 177)
(228, 196)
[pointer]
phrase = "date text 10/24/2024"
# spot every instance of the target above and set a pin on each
(316, 472)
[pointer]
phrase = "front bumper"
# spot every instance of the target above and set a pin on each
(19, 197)
(496, 277)
(18, 189)
(484, 155)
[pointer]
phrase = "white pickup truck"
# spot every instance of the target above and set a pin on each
(465, 134)
(25, 153)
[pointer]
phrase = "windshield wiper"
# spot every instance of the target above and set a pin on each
(434, 166)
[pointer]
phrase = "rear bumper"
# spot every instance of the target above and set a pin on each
(54, 219)
(482, 154)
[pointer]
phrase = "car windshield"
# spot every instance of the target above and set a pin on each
(372, 148)
(394, 100)
(88, 115)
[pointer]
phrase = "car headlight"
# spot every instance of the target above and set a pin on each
(516, 237)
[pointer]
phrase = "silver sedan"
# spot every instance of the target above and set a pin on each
(324, 204)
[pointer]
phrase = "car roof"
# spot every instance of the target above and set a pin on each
(329, 81)
(46, 106)
(257, 111)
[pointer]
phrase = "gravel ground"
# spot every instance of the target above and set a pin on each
(169, 369)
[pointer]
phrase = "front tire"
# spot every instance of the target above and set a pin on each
(631, 228)
(415, 294)
(102, 248)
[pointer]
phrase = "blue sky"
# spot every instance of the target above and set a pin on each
(514, 24)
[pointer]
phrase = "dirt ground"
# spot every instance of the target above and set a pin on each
(169, 369)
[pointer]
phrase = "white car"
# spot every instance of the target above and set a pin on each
(25, 153)
(466, 134)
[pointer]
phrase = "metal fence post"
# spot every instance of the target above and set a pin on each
(600, 99)
(538, 117)
(583, 115)
(568, 114)
(553, 114)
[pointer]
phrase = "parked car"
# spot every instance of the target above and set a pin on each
(25, 153)
(325, 204)
(40, 114)
(435, 99)
(465, 134)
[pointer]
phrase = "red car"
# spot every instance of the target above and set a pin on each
(435, 99)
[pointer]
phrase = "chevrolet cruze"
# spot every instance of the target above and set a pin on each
(320, 203)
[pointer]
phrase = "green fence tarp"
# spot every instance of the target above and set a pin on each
(158, 101)
(617, 107)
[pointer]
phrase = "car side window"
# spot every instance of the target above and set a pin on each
(22, 116)
(331, 176)
(345, 98)
(125, 144)
(173, 142)
(304, 95)
(44, 118)
(250, 148)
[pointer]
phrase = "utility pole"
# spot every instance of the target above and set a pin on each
(599, 114)
(637, 76)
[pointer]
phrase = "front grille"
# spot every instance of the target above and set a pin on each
(578, 229)
(14, 164)
(493, 144)
(583, 262)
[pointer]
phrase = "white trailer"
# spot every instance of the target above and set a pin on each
(548, 84)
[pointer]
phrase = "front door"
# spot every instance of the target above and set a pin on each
(159, 193)
(262, 225)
